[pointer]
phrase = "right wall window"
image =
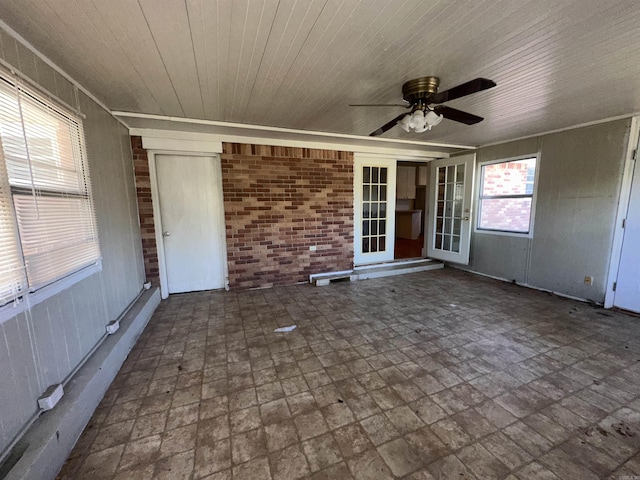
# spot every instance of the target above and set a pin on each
(506, 195)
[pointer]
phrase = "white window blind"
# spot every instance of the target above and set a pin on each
(12, 275)
(49, 192)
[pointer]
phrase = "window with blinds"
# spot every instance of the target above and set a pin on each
(47, 221)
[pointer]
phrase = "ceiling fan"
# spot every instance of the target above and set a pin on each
(422, 96)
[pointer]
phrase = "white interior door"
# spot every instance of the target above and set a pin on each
(375, 205)
(192, 221)
(451, 188)
(627, 294)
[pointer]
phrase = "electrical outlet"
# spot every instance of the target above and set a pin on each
(588, 280)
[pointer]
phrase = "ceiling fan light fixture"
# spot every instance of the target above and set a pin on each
(422, 128)
(405, 123)
(433, 119)
(422, 96)
(419, 122)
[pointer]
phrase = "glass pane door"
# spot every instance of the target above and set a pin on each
(450, 201)
(450, 198)
(374, 209)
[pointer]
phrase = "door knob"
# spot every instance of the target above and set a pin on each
(466, 219)
(166, 234)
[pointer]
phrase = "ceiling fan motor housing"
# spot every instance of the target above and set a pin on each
(419, 89)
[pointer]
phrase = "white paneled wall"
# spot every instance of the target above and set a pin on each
(579, 188)
(42, 346)
(579, 180)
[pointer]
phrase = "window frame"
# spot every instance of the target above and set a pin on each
(29, 297)
(478, 197)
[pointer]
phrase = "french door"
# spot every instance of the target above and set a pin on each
(374, 212)
(450, 219)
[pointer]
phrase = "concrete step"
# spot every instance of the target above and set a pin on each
(377, 270)
(396, 268)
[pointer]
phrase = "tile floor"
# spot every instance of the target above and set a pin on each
(434, 375)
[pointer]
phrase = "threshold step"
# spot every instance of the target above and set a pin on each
(377, 270)
(396, 268)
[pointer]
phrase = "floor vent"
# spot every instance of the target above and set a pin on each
(326, 280)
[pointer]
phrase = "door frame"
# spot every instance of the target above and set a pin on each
(157, 217)
(623, 207)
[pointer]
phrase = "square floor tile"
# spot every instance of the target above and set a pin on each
(424, 376)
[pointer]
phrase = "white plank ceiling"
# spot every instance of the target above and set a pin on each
(299, 63)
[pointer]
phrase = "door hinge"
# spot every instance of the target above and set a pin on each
(615, 285)
(624, 223)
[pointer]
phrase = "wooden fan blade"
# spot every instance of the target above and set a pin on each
(405, 105)
(473, 86)
(457, 115)
(387, 126)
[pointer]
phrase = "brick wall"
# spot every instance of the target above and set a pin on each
(512, 214)
(145, 211)
(279, 201)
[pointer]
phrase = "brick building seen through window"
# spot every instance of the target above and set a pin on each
(506, 195)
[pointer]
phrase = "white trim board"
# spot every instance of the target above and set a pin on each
(260, 135)
(563, 129)
(253, 128)
(520, 284)
(151, 135)
(157, 221)
(623, 206)
(183, 142)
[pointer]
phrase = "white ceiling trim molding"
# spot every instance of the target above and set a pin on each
(55, 67)
(153, 137)
(12, 70)
(248, 127)
(262, 135)
(558, 130)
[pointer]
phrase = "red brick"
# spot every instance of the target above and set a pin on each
(278, 202)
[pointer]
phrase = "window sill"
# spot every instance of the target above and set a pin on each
(29, 300)
(503, 233)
